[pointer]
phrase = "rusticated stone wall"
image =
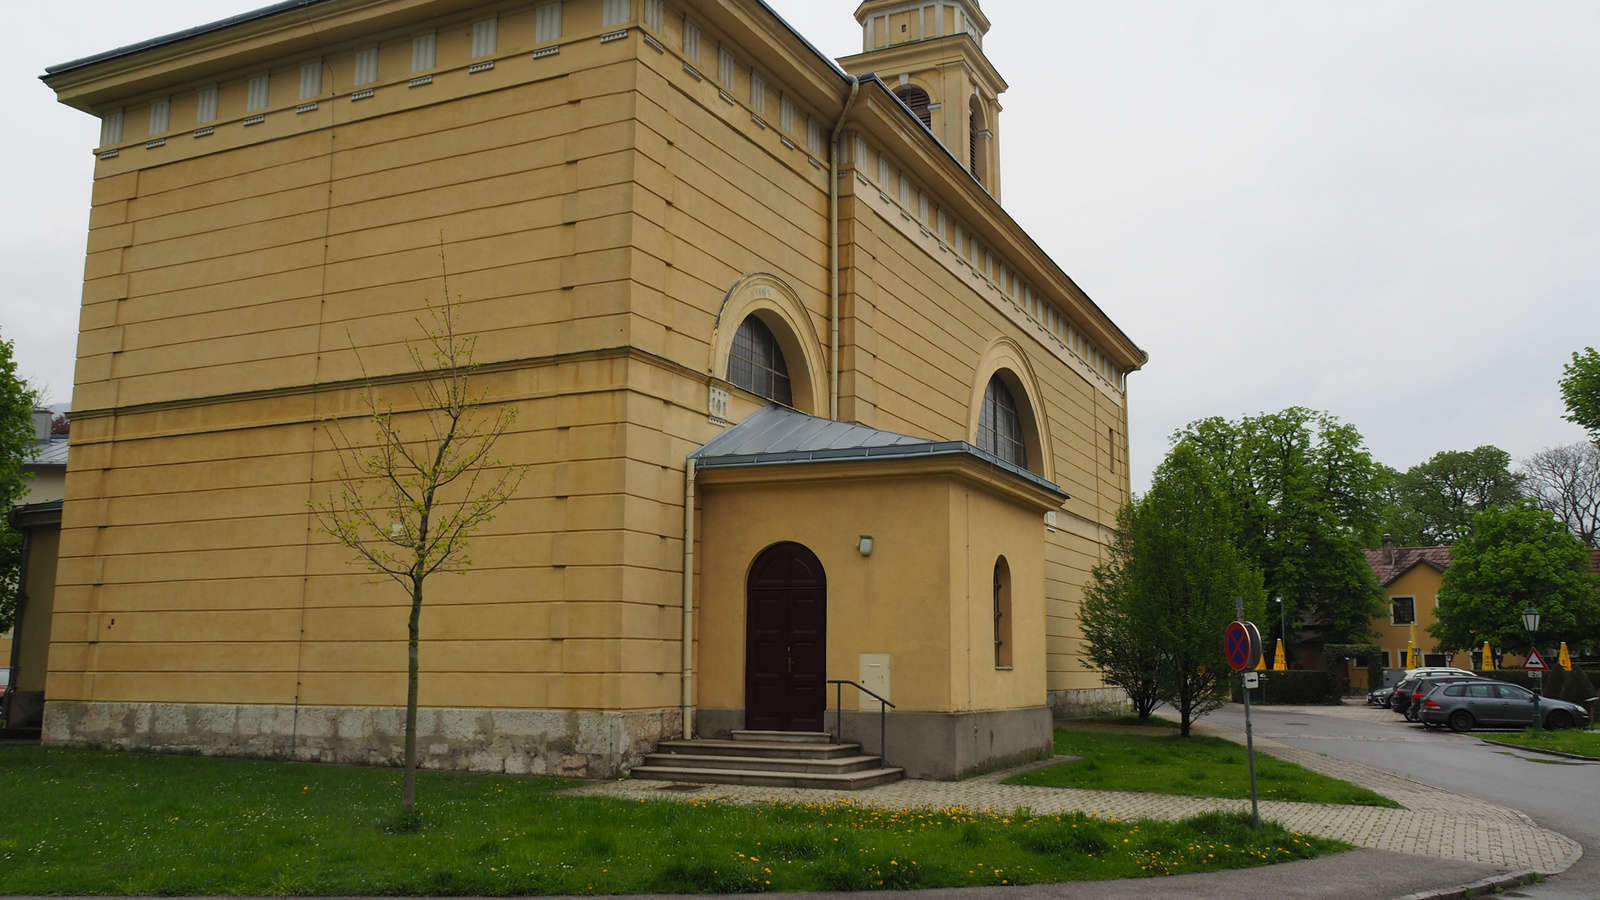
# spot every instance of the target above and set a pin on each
(573, 743)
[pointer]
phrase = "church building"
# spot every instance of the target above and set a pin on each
(801, 403)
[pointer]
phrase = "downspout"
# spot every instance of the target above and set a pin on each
(833, 249)
(688, 602)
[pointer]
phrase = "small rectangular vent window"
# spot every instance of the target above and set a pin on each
(616, 12)
(725, 67)
(786, 115)
(652, 14)
(366, 66)
(905, 192)
(813, 136)
(256, 94)
(944, 226)
(547, 23)
(922, 207)
(205, 107)
(111, 129)
(758, 93)
(311, 80)
(160, 114)
(883, 170)
(422, 53)
(485, 37)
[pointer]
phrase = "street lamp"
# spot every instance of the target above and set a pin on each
(1530, 624)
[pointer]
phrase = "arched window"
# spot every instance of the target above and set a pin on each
(1002, 614)
(920, 103)
(755, 362)
(977, 161)
(999, 425)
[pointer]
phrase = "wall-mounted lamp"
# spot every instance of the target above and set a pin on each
(865, 545)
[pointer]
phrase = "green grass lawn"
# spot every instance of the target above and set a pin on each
(1582, 743)
(88, 822)
(1195, 766)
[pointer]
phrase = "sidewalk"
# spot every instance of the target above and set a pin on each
(1435, 823)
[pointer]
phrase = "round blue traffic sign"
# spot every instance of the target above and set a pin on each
(1242, 645)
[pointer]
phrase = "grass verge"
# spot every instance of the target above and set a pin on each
(1194, 766)
(1578, 743)
(84, 822)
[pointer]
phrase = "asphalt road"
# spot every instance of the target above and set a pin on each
(1559, 794)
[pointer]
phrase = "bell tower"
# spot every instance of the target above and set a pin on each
(930, 53)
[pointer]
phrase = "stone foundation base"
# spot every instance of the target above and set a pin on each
(575, 743)
(934, 745)
(1109, 701)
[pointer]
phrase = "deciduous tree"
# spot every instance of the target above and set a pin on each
(1168, 592)
(16, 446)
(1120, 633)
(1580, 388)
(1305, 492)
(1433, 502)
(1515, 556)
(1566, 482)
(410, 493)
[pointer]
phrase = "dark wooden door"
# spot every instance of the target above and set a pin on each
(786, 628)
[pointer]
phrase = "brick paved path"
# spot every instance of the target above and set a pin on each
(1434, 822)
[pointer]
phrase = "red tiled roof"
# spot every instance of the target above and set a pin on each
(1407, 558)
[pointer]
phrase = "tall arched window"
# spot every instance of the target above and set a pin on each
(755, 362)
(999, 425)
(977, 128)
(920, 103)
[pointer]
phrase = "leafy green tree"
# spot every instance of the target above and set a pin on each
(1433, 502)
(1120, 623)
(1161, 604)
(16, 445)
(1306, 495)
(1515, 556)
(1580, 388)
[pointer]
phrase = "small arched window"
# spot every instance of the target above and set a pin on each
(1002, 614)
(756, 362)
(919, 102)
(977, 127)
(999, 425)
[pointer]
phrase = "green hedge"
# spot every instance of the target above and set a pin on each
(1574, 687)
(1296, 687)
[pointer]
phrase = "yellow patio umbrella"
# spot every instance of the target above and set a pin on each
(1411, 648)
(1279, 664)
(1565, 658)
(1261, 664)
(1488, 659)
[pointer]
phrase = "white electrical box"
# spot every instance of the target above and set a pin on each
(875, 677)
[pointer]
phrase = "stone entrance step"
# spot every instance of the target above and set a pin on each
(770, 759)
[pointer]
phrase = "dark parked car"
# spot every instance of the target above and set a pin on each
(1426, 684)
(1494, 704)
(1380, 696)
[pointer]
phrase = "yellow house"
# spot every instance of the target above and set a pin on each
(38, 519)
(1411, 577)
(802, 402)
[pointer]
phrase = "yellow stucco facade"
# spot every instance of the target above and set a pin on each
(1411, 577)
(619, 184)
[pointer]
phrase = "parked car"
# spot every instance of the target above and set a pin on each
(1494, 704)
(1426, 671)
(1423, 686)
(1380, 696)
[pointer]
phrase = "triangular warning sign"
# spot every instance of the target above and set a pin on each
(1535, 662)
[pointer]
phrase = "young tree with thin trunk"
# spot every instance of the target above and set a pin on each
(407, 498)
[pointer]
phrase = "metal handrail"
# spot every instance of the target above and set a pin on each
(883, 716)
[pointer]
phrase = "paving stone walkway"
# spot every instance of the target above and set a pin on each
(1434, 822)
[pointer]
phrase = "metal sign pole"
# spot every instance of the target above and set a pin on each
(1249, 738)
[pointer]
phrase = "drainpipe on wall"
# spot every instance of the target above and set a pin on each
(833, 250)
(688, 602)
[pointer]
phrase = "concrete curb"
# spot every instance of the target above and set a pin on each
(1478, 888)
(1561, 753)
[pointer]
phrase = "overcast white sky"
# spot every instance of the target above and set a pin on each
(1386, 210)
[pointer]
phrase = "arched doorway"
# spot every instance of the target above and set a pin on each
(785, 645)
